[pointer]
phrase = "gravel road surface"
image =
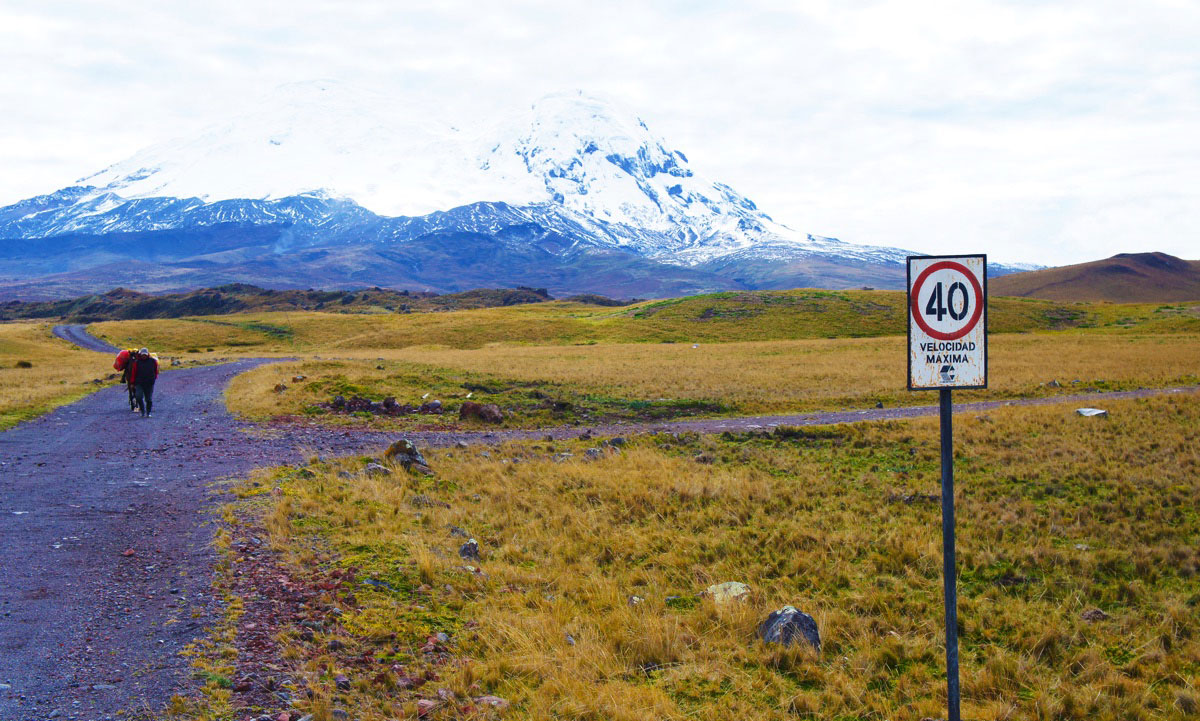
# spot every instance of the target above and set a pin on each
(104, 541)
(78, 335)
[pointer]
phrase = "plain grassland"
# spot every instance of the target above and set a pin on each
(59, 372)
(1058, 515)
(650, 381)
(811, 350)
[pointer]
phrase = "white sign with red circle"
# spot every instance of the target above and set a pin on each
(947, 321)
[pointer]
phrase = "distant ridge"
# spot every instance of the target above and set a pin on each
(1123, 278)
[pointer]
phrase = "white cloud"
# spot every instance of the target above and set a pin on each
(1052, 132)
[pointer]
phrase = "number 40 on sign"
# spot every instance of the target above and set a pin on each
(947, 329)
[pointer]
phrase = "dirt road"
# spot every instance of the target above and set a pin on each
(104, 533)
(78, 335)
(104, 545)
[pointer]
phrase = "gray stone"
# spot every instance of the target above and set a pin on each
(728, 591)
(787, 626)
(469, 550)
(376, 469)
(494, 701)
(406, 454)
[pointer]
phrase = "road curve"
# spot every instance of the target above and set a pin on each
(78, 335)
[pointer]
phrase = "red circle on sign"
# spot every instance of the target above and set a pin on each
(915, 306)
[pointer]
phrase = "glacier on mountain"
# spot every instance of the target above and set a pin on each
(321, 184)
(572, 160)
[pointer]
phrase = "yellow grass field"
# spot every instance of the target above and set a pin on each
(60, 372)
(1058, 516)
(632, 380)
(721, 317)
(759, 352)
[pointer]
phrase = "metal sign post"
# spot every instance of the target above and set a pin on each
(947, 349)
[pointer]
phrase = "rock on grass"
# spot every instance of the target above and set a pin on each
(787, 626)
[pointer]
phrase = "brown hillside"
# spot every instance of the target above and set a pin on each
(1123, 278)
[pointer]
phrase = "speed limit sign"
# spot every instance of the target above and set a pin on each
(947, 321)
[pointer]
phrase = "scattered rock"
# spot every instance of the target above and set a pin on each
(728, 591)
(377, 469)
(338, 403)
(431, 407)
(280, 388)
(423, 501)
(879, 404)
(570, 640)
(1054, 384)
(376, 583)
(425, 707)
(635, 600)
(787, 626)
(1082, 547)
(593, 453)
(339, 714)
(490, 413)
(456, 531)
(1093, 615)
(1089, 412)
(297, 379)
(335, 645)
(406, 454)
(342, 683)
(345, 474)
(461, 445)
(469, 551)
(305, 473)
(494, 701)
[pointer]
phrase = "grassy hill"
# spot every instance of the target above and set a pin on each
(1123, 278)
(741, 316)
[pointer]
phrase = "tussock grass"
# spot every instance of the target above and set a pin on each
(57, 372)
(1057, 515)
(646, 381)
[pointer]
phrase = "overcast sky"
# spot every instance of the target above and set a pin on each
(1048, 132)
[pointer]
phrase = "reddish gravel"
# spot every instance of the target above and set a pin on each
(104, 546)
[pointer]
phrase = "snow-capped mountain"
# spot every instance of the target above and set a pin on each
(576, 178)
